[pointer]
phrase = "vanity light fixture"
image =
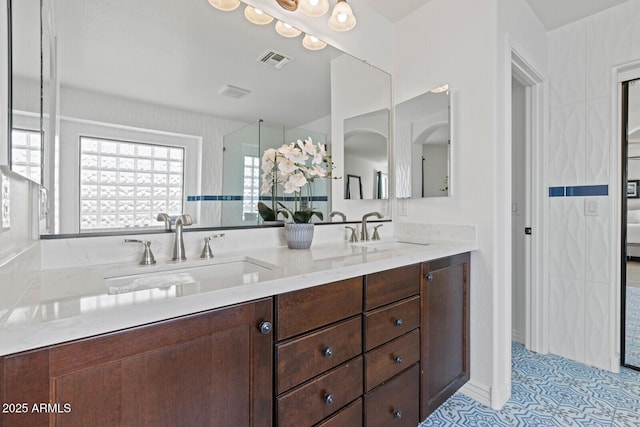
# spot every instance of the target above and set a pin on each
(313, 8)
(342, 18)
(313, 43)
(256, 16)
(286, 30)
(441, 89)
(226, 5)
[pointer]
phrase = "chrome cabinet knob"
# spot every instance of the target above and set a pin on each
(327, 352)
(398, 322)
(397, 414)
(328, 399)
(397, 359)
(265, 328)
(429, 277)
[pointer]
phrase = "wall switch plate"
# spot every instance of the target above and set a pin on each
(591, 207)
(5, 200)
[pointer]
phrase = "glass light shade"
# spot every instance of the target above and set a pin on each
(256, 16)
(313, 43)
(226, 5)
(286, 30)
(441, 89)
(342, 18)
(314, 7)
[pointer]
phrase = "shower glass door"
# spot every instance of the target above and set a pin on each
(631, 220)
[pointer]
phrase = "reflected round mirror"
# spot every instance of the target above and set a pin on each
(366, 161)
(423, 145)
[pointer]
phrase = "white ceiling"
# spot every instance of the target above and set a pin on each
(552, 13)
(556, 13)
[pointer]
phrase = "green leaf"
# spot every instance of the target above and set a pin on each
(266, 212)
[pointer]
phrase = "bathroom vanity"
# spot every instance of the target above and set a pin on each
(379, 349)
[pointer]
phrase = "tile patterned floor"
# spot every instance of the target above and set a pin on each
(632, 329)
(551, 391)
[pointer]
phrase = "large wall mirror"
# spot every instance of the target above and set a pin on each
(162, 106)
(423, 145)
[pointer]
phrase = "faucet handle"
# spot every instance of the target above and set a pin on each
(376, 236)
(147, 256)
(354, 236)
(207, 253)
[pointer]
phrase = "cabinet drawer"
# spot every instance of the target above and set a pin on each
(351, 416)
(389, 286)
(304, 357)
(311, 402)
(389, 322)
(301, 311)
(396, 403)
(386, 361)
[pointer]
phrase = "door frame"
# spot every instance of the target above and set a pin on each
(620, 74)
(535, 287)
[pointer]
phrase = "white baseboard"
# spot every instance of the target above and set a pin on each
(478, 392)
(492, 398)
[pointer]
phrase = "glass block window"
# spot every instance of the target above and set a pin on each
(26, 153)
(251, 186)
(126, 184)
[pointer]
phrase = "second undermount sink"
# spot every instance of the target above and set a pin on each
(227, 272)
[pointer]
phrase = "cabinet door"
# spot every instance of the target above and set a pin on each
(445, 330)
(213, 368)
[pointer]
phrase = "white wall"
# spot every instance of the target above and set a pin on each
(472, 60)
(584, 251)
(435, 45)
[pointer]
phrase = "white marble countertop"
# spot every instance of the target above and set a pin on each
(68, 304)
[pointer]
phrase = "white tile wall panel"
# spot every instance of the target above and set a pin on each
(598, 144)
(567, 238)
(567, 145)
(567, 59)
(596, 324)
(598, 241)
(567, 333)
(606, 42)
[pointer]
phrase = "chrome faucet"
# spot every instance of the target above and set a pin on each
(364, 234)
(167, 220)
(340, 214)
(178, 245)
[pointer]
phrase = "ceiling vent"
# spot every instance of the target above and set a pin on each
(274, 58)
(233, 91)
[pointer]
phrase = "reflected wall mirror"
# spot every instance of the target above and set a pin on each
(423, 145)
(366, 146)
(167, 106)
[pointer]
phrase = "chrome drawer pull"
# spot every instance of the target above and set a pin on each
(398, 322)
(397, 414)
(429, 277)
(265, 328)
(327, 352)
(328, 399)
(397, 359)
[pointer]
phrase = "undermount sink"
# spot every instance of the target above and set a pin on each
(230, 272)
(390, 245)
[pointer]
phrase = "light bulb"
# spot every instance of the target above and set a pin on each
(342, 18)
(313, 43)
(314, 8)
(286, 30)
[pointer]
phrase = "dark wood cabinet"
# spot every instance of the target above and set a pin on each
(212, 368)
(445, 330)
(385, 349)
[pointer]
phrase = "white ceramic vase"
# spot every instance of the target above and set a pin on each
(298, 236)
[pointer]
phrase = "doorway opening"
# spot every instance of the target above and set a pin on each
(527, 292)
